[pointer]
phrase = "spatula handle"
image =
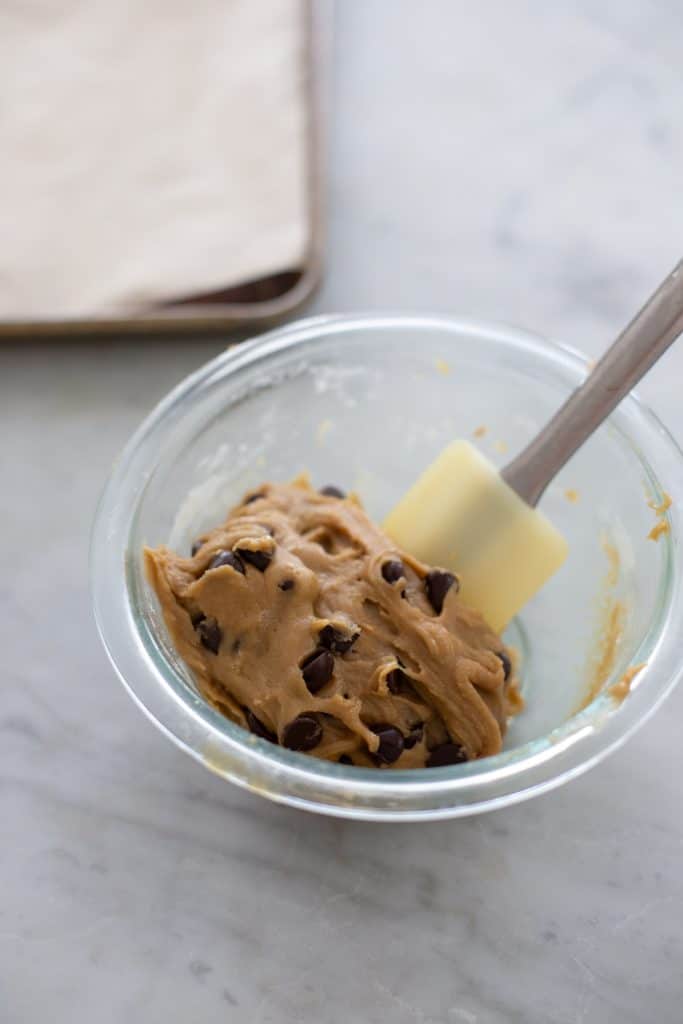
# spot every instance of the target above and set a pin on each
(637, 348)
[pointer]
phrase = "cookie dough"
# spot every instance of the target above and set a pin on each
(302, 622)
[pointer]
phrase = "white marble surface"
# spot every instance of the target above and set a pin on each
(516, 160)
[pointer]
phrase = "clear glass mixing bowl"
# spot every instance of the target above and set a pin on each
(366, 403)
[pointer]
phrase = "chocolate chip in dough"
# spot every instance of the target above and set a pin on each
(196, 546)
(287, 584)
(507, 664)
(259, 559)
(413, 737)
(333, 640)
(344, 759)
(210, 634)
(258, 728)
(437, 584)
(196, 618)
(227, 558)
(253, 497)
(304, 733)
(332, 492)
(393, 570)
(317, 669)
(447, 753)
(390, 743)
(398, 682)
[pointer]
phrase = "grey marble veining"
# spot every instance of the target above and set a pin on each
(519, 161)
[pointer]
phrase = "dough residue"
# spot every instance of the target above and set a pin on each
(660, 509)
(622, 688)
(658, 530)
(609, 628)
(611, 631)
(302, 622)
(613, 562)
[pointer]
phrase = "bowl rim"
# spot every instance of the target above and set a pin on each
(300, 780)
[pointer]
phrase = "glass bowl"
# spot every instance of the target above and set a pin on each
(366, 402)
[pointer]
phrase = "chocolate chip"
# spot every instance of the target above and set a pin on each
(259, 559)
(413, 737)
(400, 684)
(210, 634)
(196, 618)
(507, 664)
(227, 558)
(196, 546)
(333, 640)
(317, 669)
(397, 680)
(447, 753)
(393, 570)
(344, 759)
(390, 743)
(437, 584)
(304, 733)
(258, 728)
(332, 492)
(286, 584)
(253, 497)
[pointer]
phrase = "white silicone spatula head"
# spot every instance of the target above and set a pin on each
(463, 515)
(502, 549)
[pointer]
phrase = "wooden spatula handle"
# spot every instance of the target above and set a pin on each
(637, 348)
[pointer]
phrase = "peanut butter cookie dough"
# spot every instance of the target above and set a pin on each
(304, 624)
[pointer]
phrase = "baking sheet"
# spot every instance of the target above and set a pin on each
(163, 164)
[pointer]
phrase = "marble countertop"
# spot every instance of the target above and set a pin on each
(518, 161)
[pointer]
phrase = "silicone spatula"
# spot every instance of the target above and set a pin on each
(466, 516)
